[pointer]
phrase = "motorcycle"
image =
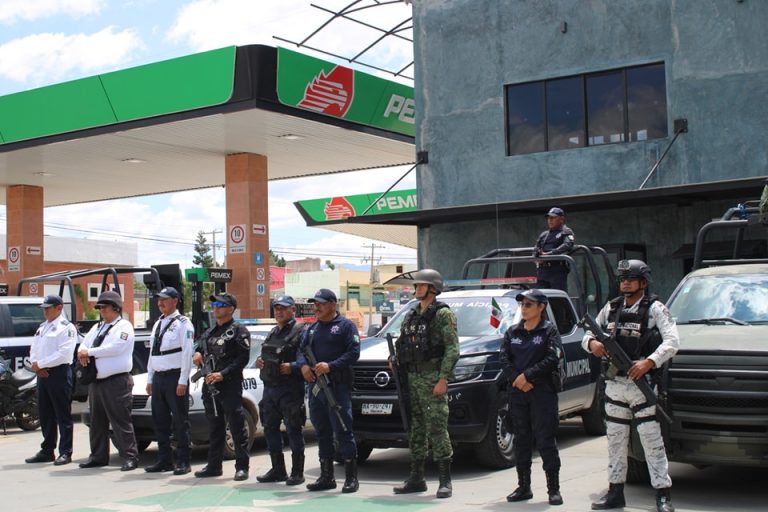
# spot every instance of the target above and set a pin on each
(18, 395)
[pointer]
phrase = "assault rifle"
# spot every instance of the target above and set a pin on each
(621, 360)
(322, 382)
(204, 371)
(399, 384)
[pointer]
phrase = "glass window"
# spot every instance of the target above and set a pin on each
(563, 313)
(741, 297)
(525, 118)
(605, 108)
(26, 318)
(565, 113)
(647, 102)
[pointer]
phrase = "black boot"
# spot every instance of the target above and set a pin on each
(350, 482)
(614, 498)
(445, 489)
(664, 500)
(415, 482)
(326, 480)
(553, 487)
(297, 470)
(523, 491)
(277, 472)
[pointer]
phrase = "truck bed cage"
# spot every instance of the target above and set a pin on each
(749, 215)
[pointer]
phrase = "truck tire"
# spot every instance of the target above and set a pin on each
(637, 471)
(495, 451)
(593, 418)
(250, 433)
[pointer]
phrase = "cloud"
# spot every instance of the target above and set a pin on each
(47, 58)
(29, 10)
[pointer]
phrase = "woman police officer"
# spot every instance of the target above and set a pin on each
(530, 353)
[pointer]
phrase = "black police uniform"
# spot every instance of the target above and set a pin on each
(533, 413)
(283, 398)
(229, 345)
(554, 274)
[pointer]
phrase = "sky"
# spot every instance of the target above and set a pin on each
(44, 42)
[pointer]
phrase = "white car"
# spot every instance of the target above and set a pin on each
(252, 392)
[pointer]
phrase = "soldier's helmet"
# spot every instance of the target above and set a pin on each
(634, 269)
(425, 275)
(110, 297)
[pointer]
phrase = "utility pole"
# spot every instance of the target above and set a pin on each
(372, 280)
(213, 242)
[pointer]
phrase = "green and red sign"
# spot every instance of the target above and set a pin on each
(333, 209)
(314, 84)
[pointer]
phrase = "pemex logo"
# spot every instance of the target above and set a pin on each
(330, 94)
(338, 208)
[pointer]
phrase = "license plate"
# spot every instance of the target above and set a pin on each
(377, 409)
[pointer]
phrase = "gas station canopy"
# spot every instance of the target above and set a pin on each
(167, 126)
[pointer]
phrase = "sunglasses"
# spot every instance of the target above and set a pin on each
(219, 304)
(527, 305)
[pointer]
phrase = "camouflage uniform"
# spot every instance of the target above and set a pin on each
(429, 414)
(622, 396)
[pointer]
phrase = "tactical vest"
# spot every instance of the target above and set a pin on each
(415, 345)
(632, 332)
(217, 345)
(276, 351)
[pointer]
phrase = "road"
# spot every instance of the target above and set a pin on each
(44, 487)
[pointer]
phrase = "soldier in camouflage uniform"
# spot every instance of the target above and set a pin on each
(427, 351)
(647, 332)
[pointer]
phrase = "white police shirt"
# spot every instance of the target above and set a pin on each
(54, 343)
(180, 334)
(115, 354)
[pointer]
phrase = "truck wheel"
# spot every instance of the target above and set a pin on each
(363, 452)
(250, 434)
(637, 471)
(496, 451)
(593, 418)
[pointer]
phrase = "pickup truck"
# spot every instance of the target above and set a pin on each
(477, 392)
(718, 381)
(19, 319)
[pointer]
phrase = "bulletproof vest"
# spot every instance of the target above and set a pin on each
(216, 345)
(276, 351)
(631, 330)
(415, 344)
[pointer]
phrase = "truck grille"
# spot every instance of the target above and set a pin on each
(139, 401)
(376, 377)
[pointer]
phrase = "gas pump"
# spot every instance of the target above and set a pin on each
(197, 277)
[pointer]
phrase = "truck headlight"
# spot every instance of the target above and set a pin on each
(468, 368)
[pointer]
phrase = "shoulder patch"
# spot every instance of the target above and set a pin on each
(189, 335)
(123, 335)
(182, 318)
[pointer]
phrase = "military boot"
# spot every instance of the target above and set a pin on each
(614, 498)
(326, 480)
(277, 473)
(297, 469)
(523, 491)
(415, 481)
(350, 476)
(553, 487)
(664, 500)
(445, 489)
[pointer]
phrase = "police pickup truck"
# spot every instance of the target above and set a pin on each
(718, 381)
(478, 392)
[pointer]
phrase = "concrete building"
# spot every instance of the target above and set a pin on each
(525, 105)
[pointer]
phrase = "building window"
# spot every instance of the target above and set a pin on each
(609, 107)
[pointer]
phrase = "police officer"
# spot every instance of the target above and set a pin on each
(529, 354)
(558, 239)
(646, 331)
(110, 343)
(427, 350)
(225, 349)
(335, 343)
(51, 357)
(170, 362)
(283, 398)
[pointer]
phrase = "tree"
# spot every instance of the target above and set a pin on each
(330, 265)
(275, 260)
(203, 256)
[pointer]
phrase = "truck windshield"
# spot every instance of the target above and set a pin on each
(473, 316)
(722, 298)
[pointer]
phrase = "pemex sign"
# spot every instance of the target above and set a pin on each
(314, 84)
(334, 209)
